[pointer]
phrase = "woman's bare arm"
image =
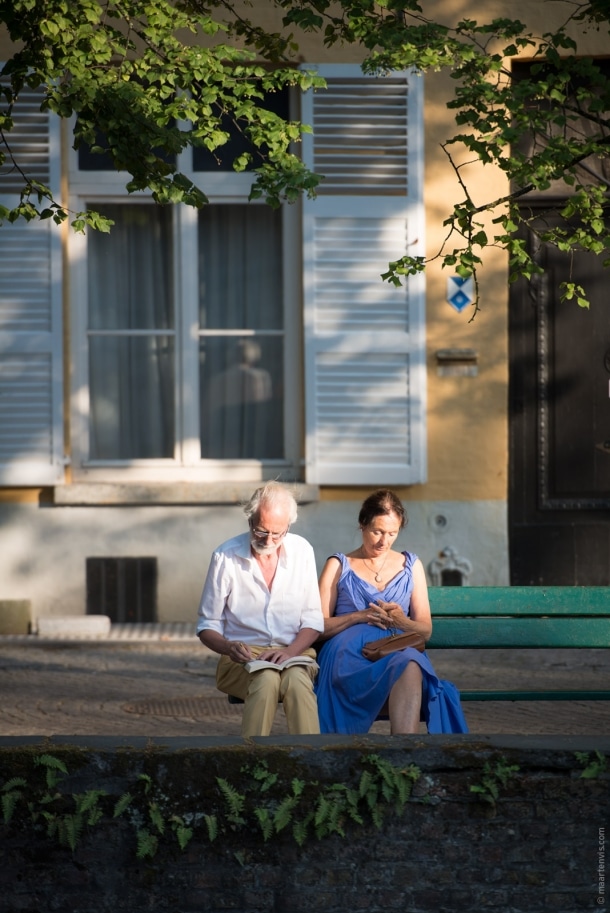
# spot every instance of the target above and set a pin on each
(329, 578)
(420, 618)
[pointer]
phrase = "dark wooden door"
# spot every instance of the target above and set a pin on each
(559, 414)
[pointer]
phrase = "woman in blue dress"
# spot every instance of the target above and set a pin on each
(367, 594)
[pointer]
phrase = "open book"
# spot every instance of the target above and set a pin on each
(255, 665)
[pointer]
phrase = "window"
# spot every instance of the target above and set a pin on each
(186, 337)
(130, 335)
(202, 351)
(241, 338)
(185, 366)
(134, 353)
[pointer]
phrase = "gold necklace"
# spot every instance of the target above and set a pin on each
(372, 569)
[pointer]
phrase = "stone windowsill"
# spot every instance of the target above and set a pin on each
(153, 494)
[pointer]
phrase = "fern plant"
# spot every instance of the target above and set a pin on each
(305, 808)
(12, 792)
(147, 844)
(493, 777)
(380, 786)
(236, 802)
(211, 822)
(184, 834)
(593, 767)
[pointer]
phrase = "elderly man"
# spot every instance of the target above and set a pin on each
(261, 601)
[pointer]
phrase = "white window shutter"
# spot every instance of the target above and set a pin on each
(31, 432)
(364, 339)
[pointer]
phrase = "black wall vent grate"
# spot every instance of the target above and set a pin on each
(125, 589)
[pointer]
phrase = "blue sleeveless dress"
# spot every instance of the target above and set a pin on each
(351, 690)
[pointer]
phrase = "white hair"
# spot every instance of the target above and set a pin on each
(271, 493)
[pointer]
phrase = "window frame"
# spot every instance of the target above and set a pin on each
(300, 423)
(93, 188)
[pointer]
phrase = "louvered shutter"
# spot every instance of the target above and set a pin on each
(31, 435)
(364, 339)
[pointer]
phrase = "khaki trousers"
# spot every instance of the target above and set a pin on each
(261, 692)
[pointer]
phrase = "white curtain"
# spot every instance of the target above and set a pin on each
(241, 347)
(131, 335)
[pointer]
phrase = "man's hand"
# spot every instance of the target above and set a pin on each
(275, 655)
(239, 652)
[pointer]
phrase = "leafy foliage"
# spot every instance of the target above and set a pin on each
(494, 776)
(53, 767)
(122, 804)
(12, 792)
(145, 79)
(147, 844)
(545, 127)
(312, 809)
(211, 822)
(64, 818)
(594, 767)
(235, 801)
(267, 802)
(182, 831)
(69, 826)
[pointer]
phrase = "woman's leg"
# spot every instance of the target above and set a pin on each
(404, 704)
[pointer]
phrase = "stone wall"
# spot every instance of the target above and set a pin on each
(415, 824)
(43, 550)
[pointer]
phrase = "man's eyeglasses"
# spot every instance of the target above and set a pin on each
(262, 534)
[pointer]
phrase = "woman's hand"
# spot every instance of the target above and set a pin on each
(388, 615)
(377, 615)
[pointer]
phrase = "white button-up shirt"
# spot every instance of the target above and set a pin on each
(237, 603)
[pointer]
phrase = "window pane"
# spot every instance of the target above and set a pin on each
(240, 268)
(222, 158)
(131, 377)
(130, 269)
(241, 398)
(131, 382)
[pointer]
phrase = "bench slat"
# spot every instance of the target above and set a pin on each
(519, 600)
(542, 695)
(498, 632)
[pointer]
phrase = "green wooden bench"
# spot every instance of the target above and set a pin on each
(521, 618)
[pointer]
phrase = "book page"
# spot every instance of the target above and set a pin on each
(255, 665)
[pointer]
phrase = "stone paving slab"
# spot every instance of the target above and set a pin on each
(62, 630)
(162, 686)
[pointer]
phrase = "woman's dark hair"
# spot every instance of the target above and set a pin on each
(383, 501)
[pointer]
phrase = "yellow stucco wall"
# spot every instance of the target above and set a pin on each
(467, 416)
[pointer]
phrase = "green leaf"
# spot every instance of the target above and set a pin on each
(265, 821)
(122, 804)
(156, 817)
(212, 826)
(147, 844)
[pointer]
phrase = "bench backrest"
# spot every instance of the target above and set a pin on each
(520, 617)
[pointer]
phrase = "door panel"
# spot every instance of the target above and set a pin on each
(559, 473)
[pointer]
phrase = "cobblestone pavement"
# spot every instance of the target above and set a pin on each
(164, 687)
